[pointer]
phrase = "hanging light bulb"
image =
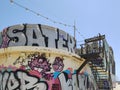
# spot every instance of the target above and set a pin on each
(27, 9)
(11, 1)
(38, 14)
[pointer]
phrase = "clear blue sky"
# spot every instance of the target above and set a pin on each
(91, 17)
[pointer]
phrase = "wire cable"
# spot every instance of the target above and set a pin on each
(38, 14)
(49, 19)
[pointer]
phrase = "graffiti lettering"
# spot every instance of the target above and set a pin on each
(37, 35)
(65, 81)
(71, 83)
(34, 36)
(84, 82)
(26, 80)
(16, 36)
(20, 80)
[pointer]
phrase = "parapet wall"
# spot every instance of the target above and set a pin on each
(39, 57)
(36, 35)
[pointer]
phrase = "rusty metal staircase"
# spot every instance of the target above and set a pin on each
(94, 52)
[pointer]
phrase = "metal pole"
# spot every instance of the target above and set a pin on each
(74, 30)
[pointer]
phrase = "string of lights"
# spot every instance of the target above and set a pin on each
(80, 33)
(38, 14)
(47, 18)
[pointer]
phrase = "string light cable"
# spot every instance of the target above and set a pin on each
(80, 33)
(51, 20)
(79, 41)
(38, 14)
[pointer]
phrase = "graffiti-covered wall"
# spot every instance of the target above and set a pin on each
(35, 68)
(36, 35)
(38, 57)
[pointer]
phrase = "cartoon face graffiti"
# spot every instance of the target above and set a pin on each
(39, 63)
(58, 64)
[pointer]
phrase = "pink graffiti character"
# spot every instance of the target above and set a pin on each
(58, 64)
(40, 64)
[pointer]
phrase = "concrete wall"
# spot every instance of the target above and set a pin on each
(38, 57)
(36, 35)
(41, 69)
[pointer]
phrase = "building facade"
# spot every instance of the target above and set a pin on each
(40, 57)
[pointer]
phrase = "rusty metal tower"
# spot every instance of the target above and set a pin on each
(99, 56)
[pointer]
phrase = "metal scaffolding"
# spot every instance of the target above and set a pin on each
(95, 52)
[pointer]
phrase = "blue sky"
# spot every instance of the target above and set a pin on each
(91, 17)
